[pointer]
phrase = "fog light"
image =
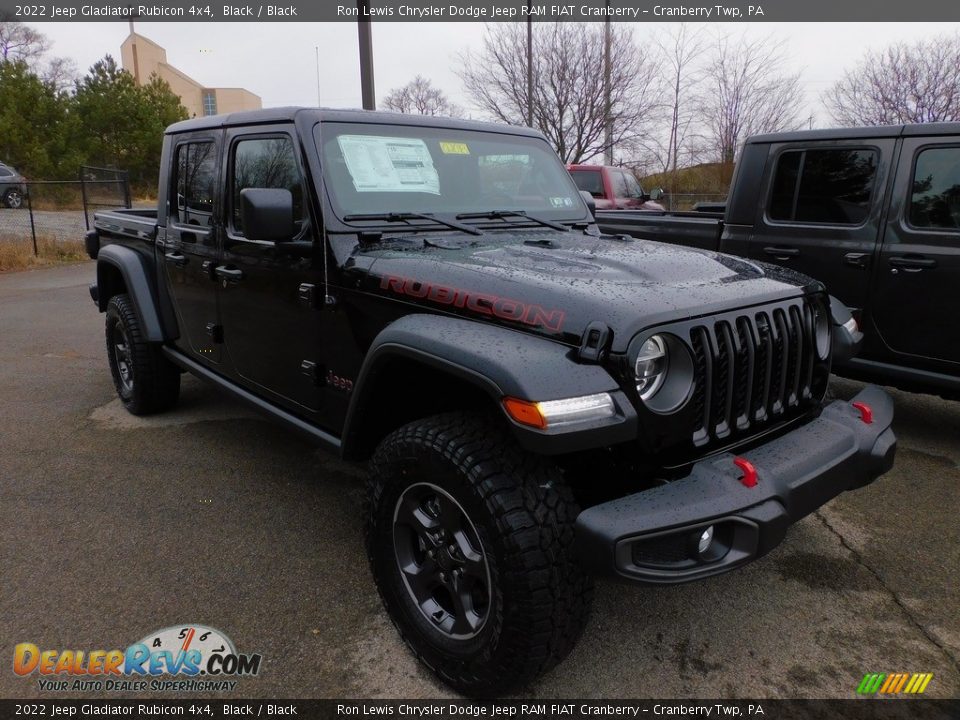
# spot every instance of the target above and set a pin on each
(706, 539)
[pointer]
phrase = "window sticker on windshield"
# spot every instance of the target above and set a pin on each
(389, 164)
(454, 148)
(561, 202)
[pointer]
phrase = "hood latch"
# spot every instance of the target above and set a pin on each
(595, 341)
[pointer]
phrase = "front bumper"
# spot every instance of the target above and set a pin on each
(652, 537)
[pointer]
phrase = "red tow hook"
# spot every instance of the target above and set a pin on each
(749, 478)
(866, 412)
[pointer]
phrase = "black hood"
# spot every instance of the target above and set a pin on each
(556, 283)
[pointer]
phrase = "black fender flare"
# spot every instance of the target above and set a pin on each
(845, 345)
(139, 284)
(501, 362)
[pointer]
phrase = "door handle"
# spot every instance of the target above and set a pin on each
(228, 273)
(176, 258)
(912, 264)
(782, 253)
(856, 259)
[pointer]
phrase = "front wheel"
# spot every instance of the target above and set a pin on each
(470, 541)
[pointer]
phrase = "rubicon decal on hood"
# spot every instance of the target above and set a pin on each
(480, 303)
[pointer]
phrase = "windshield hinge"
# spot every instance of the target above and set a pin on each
(595, 341)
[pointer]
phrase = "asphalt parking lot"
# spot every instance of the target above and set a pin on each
(113, 526)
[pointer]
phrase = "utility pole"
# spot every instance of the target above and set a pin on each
(607, 119)
(366, 55)
(529, 66)
(317, 48)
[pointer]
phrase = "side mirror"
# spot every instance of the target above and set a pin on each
(267, 214)
(591, 203)
(656, 194)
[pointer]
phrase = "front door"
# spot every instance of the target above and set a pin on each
(190, 244)
(268, 294)
(917, 288)
(822, 214)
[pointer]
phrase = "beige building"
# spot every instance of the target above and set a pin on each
(142, 58)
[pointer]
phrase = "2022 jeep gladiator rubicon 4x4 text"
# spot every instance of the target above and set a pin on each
(538, 402)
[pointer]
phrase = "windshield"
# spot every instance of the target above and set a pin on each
(370, 169)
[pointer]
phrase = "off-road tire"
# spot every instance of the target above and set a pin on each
(145, 380)
(523, 513)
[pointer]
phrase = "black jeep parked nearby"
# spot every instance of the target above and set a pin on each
(874, 213)
(538, 402)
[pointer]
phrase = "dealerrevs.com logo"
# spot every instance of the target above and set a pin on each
(182, 658)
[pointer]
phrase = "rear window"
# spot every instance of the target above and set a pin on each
(196, 175)
(829, 187)
(588, 180)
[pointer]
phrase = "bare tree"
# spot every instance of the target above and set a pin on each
(568, 98)
(420, 97)
(60, 72)
(915, 83)
(21, 42)
(746, 90)
(679, 48)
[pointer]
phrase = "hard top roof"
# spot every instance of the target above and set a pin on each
(288, 114)
(877, 131)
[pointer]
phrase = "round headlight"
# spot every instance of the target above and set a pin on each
(821, 331)
(651, 366)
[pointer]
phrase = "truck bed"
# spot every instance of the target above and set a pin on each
(136, 223)
(692, 229)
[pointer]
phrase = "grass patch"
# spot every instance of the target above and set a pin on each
(17, 253)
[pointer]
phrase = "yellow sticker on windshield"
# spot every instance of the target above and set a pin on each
(454, 148)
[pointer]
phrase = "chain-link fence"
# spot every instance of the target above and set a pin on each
(103, 188)
(53, 212)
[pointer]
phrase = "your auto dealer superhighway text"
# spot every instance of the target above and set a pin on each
(494, 710)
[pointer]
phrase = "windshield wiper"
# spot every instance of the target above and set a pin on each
(408, 216)
(504, 214)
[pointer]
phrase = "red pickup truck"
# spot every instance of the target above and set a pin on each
(613, 188)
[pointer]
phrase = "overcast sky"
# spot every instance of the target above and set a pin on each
(277, 61)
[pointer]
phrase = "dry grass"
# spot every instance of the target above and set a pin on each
(17, 253)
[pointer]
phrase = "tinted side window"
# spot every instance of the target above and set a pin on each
(5, 173)
(588, 180)
(265, 163)
(935, 200)
(785, 186)
(832, 187)
(196, 168)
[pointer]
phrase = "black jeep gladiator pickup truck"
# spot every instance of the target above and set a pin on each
(538, 402)
(874, 213)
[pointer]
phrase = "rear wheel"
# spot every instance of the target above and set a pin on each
(470, 541)
(145, 380)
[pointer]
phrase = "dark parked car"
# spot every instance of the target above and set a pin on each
(538, 402)
(613, 187)
(872, 212)
(12, 187)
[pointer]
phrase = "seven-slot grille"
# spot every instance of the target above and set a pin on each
(752, 370)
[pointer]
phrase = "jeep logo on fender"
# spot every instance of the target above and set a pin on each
(482, 303)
